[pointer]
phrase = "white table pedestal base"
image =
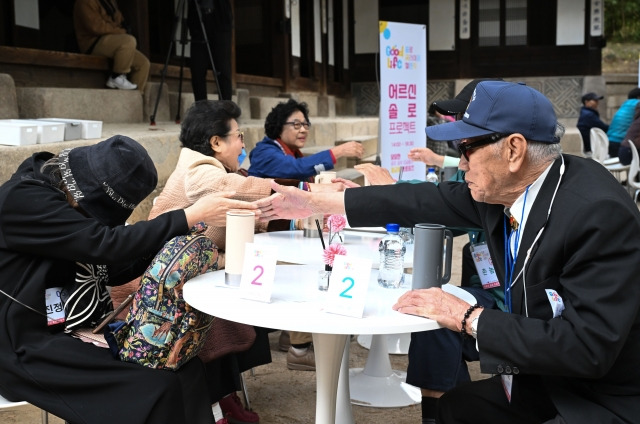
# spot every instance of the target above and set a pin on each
(344, 414)
(329, 349)
(377, 385)
(398, 344)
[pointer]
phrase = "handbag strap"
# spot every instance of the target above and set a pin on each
(24, 304)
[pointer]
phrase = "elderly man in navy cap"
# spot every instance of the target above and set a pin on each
(563, 235)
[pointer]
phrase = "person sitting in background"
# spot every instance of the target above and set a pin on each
(589, 118)
(101, 31)
(562, 233)
(278, 154)
(621, 121)
(62, 219)
(632, 136)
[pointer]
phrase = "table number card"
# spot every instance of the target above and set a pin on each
(258, 272)
(348, 286)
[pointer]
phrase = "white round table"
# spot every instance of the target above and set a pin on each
(377, 384)
(297, 305)
(294, 248)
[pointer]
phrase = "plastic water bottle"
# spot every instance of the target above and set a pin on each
(432, 177)
(391, 248)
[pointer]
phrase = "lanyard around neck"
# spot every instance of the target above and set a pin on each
(511, 255)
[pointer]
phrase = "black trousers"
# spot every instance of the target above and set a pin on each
(485, 401)
(218, 23)
(223, 374)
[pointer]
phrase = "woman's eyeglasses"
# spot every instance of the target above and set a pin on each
(465, 149)
(237, 133)
(297, 125)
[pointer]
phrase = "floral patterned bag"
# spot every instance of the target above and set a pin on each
(161, 330)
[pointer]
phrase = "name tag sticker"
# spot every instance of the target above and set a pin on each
(55, 308)
(258, 272)
(557, 305)
(348, 286)
(484, 265)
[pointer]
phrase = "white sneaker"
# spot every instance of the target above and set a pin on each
(121, 82)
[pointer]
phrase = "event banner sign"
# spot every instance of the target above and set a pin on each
(403, 97)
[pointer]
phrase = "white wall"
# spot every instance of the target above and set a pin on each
(570, 23)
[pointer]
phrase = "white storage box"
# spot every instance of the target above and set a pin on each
(48, 132)
(72, 129)
(17, 133)
(90, 129)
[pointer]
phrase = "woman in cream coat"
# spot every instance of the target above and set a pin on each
(208, 163)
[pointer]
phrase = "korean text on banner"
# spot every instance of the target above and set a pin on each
(403, 97)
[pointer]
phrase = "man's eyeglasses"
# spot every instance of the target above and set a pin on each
(297, 125)
(237, 133)
(465, 149)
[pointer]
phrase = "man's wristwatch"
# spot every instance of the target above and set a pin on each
(474, 327)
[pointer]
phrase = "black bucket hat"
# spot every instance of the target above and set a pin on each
(110, 178)
(461, 101)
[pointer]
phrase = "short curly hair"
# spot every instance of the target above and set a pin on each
(206, 118)
(279, 114)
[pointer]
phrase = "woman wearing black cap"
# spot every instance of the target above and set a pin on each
(62, 216)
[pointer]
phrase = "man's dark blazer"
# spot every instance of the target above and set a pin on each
(589, 253)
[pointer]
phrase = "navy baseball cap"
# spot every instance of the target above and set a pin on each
(591, 96)
(502, 107)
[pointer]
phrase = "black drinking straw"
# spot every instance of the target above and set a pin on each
(320, 231)
(326, 267)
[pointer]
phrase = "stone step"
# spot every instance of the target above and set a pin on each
(9, 103)
(260, 107)
(572, 141)
(318, 105)
(241, 98)
(369, 142)
(107, 105)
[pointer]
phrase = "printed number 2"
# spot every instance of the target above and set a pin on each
(255, 280)
(344, 293)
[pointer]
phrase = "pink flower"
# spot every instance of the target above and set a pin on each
(336, 223)
(331, 251)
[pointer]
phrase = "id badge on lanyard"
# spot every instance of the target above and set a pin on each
(484, 265)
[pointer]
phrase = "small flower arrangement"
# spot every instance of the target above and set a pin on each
(336, 223)
(330, 253)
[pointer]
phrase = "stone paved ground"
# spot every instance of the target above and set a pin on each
(281, 396)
